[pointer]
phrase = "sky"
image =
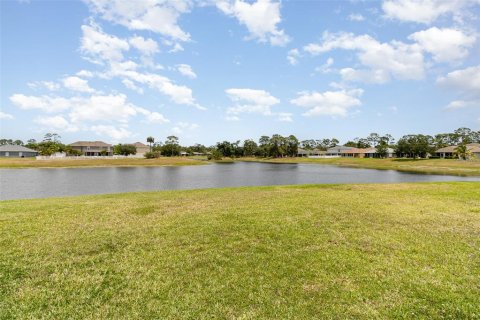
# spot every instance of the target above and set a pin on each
(214, 70)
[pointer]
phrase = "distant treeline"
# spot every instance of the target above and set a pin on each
(412, 145)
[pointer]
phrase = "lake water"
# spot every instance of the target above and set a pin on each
(42, 183)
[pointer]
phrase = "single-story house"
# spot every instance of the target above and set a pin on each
(93, 148)
(310, 153)
(337, 151)
(450, 151)
(366, 153)
(183, 153)
(9, 150)
(198, 153)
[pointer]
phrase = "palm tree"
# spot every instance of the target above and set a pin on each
(462, 152)
(150, 140)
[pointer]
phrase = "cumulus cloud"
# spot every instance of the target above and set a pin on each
(252, 101)
(6, 116)
(159, 16)
(44, 103)
(424, 11)
(186, 70)
(181, 127)
(49, 85)
(117, 134)
(100, 46)
(292, 56)
(328, 103)
(261, 19)
(77, 84)
(56, 123)
(145, 46)
(466, 83)
(394, 59)
(446, 45)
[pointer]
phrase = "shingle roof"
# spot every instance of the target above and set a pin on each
(15, 148)
(90, 144)
(139, 145)
(473, 147)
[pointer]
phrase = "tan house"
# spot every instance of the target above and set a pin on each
(450, 151)
(93, 148)
(141, 148)
(310, 153)
(365, 153)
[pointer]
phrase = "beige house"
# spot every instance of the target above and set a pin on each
(93, 148)
(365, 153)
(450, 151)
(141, 148)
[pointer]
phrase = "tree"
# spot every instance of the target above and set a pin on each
(373, 139)
(249, 148)
(382, 149)
(463, 152)
(124, 149)
(150, 140)
(414, 146)
(171, 147)
(292, 145)
(264, 146)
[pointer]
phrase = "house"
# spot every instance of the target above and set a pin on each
(141, 148)
(337, 151)
(315, 153)
(9, 150)
(450, 151)
(365, 153)
(372, 153)
(93, 148)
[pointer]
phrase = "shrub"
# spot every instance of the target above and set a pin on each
(216, 155)
(152, 155)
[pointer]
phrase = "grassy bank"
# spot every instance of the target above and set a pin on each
(66, 163)
(334, 251)
(433, 166)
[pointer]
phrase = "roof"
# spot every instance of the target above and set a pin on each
(357, 150)
(90, 144)
(473, 147)
(338, 149)
(15, 148)
(139, 145)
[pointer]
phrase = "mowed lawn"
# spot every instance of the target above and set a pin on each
(92, 162)
(298, 252)
(433, 166)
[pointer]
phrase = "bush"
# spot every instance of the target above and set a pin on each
(216, 155)
(152, 155)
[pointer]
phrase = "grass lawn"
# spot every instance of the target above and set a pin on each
(59, 163)
(325, 251)
(437, 166)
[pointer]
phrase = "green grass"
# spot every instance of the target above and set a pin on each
(432, 166)
(72, 163)
(327, 251)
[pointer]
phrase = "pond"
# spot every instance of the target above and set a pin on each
(42, 183)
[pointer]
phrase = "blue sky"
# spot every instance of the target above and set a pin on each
(206, 71)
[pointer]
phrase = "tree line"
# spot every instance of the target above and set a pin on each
(411, 145)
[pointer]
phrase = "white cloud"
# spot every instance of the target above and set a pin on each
(425, 11)
(260, 18)
(284, 117)
(49, 85)
(329, 103)
(131, 85)
(145, 46)
(84, 74)
(181, 127)
(394, 59)
(117, 134)
(160, 16)
(6, 116)
(466, 83)
(446, 45)
(186, 70)
(292, 56)
(102, 108)
(325, 68)
(356, 17)
(77, 84)
(366, 75)
(100, 46)
(152, 117)
(56, 123)
(43, 103)
(253, 101)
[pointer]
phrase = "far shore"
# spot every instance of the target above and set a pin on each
(425, 166)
